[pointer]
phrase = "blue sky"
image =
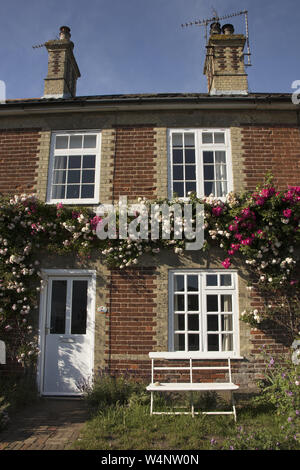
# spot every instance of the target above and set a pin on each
(139, 46)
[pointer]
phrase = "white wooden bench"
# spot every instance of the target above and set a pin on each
(190, 386)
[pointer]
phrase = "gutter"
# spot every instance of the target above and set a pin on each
(150, 102)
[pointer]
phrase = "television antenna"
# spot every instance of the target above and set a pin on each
(216, 18)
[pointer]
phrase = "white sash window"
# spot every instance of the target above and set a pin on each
(200, 162)
(204, 312)
(74, 167)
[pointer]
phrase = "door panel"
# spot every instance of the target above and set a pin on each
(68, 350)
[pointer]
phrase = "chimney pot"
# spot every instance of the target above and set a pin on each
(228, 29)
(215, 28)
(64, 33)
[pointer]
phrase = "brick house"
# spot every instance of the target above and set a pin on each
(93, 149)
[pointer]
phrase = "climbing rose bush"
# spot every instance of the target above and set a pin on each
(259, 229)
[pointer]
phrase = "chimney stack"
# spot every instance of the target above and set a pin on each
(224, 63)
(63, 70)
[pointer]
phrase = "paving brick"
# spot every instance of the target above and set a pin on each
(34, 428)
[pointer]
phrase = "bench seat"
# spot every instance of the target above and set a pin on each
(192, 387)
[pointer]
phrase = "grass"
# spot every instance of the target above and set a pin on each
(126, 424)
(132, 428)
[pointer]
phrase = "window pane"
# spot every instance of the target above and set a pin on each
(74, 176)
(219, 137)
(73, 191)
(212, 323)
(193, 303)
(59, 177)
(61, 142)
(190, 186)
(227, 342)
(58, 307)
(79, 307)
(211, 279)
(179, 342)
(74, 161)
(213, 342)
(177, 172)
(88, 161)
(208, 157)
(212, 303)
(179, 283)
(193, 322)
(225, 279)
(226, 322)
(209, 188)
(192, 283)
(179, 322)
(179, 302)
(221, 188)
(89, 141)
(58, 192)
(226, 303)
(207, 138)
(60, 162)
(88, 176)
(177, 156)
(189, 156)
(209, 172)
(178, 188)
(177, 140)
(75, 141)
(190, 172)
(87, 191)
(221, 173)
(220, 157)
(193, 342)
(189, 139)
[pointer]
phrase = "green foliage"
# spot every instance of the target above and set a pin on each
(262, 438)
(108, 390)
(260, 228)
(281, 387)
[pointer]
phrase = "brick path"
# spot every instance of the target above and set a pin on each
(51, 424)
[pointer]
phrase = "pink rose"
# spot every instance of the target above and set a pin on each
(217, 210)
(287, 213)
(226, 263)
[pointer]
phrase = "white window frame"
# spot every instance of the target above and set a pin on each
(199, 148)
(56, 152)
(203, 289)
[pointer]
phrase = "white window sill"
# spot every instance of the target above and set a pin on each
(196, 355)
(68, 202)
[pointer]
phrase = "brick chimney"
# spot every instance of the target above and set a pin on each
(63, 70)
(224, 63)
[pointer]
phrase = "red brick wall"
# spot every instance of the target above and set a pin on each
(132, 319)
(275, 149)
(134, 172)
(18, 160)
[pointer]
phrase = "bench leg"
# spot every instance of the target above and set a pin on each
(233, 406)
(151, 404)
(192, 405)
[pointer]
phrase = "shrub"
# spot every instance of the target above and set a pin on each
(108, 390)
(281, 387)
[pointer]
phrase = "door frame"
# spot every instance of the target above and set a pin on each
(63, 273)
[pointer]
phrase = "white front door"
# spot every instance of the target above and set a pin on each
(68, 341)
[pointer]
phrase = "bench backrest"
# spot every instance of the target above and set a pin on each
(190, 357)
